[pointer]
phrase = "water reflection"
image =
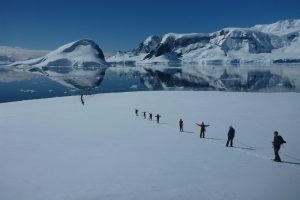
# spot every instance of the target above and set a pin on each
(222, 78)
(77, 78)
(16, 84)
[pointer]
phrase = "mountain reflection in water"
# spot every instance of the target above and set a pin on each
(16, 84)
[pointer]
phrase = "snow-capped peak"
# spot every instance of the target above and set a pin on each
(81, 53)
(150, 39)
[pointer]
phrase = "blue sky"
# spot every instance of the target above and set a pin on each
(121, 25)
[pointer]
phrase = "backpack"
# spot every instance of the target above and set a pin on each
(282, 141)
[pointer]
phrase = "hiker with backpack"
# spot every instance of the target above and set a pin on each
(277, 142)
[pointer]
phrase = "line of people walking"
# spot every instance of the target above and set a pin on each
(158, 116)
(277, 140)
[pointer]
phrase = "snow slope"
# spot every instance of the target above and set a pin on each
(12, 54)
(267, 44)
(81, 53)
(103, 151)
(282, 27)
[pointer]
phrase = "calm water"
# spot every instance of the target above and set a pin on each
(17, 84)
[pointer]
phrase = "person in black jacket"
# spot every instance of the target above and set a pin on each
(181, 125)
(157, 118)
(277, 142)
(81, 99)
(136, 112)
(231, 134)
(144, 114)
(150, 116)
(202, 129)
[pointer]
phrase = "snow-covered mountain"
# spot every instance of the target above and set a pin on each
(12, 54)
(273, 43)
(81, 53)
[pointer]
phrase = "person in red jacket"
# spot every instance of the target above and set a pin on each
(202, 129)
(277, 142)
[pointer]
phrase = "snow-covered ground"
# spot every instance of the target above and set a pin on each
(57, 149)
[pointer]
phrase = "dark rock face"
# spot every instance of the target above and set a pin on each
(163, 49)
(149, 55)
(257, 42)
(183, 42)
(151, 45)
(171, 43)
(291, 36)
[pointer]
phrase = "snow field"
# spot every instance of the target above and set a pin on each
(58, 149)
